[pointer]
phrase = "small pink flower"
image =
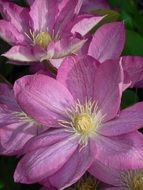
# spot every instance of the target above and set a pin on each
(16, 128)
(45, 31)
(82, 107)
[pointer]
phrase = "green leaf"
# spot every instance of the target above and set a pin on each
(129, 98)
(134, 44)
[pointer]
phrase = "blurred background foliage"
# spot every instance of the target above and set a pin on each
(131, 12)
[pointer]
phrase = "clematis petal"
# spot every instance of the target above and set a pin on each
(108, 86)
(14, 136)
(30, 2)
(105, 173)
(133, 65)
(63, 47)
(85, 23)
(108, 42)
(121, 152)
(46, 161)
(68, 10)
(74, 168)
(79, 73)
(16, 15)
(7, 97)
(130, 119)
(24, 53)
(10, 34)
(43, 98)
(43, 14)
(46, 139)
(91, 5)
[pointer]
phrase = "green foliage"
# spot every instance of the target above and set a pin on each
(134, 43)
(129, 98)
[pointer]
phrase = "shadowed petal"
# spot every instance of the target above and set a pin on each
(18, 16)
(108, 42)
(43, 98)
(10, 34)
(91, 5)
(14, 136)
(133, 65)
(7, 97)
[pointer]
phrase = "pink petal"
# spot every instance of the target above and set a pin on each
(30, 2)
(108, 42)
(74, 168)
(91, 5)
(133, 65)
(130, 119)
(121, 152)
(44, 160)
(43, 15)
(79, 73)
(43, 98)
(63, 47)
(85, 23)
(7, 97)
(56, 62)
(14, 136)
(68, 10)
(10, 34)
(24, 53)
(16, 15)
(46, 139)
(108, 85)
(105, 173)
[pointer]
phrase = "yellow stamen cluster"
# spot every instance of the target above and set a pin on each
(83, 120)
(42, 39)
(133, 179)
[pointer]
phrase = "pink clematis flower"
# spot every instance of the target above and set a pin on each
(16, 128)
(45, 31)
(108, 42)
(82, 108)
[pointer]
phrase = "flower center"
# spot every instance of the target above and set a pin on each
(42, 39)
(83, 120)
(83, 123)
(134, 180)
